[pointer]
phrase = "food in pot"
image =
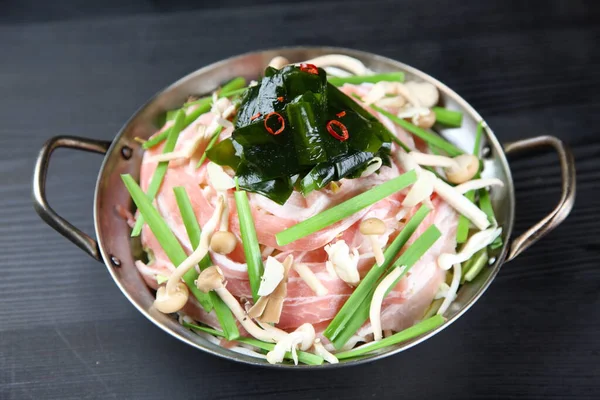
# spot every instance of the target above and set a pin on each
(312, 216)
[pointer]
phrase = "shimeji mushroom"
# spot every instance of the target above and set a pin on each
(371, 228)
(342, 262)
(310, 279)
(302, 338)
(278, 62)
(459, 169)
(212, 279)
(452, 289)
(320, 350)
(476, 184)
(223, 241)
(347, 63)
(378, 295)
(170, 302)
(456, 200)
(172, 294)
(268, 307)
(478, 241)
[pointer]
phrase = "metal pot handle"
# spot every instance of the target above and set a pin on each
(40, 203)
(567, 199)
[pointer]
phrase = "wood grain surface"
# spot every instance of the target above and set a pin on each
(81, 68)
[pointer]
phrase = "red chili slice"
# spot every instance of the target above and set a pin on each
(344, 136)
(310, 68)
(341, 114)
(280, 98)
(280, 120)
(257, 115)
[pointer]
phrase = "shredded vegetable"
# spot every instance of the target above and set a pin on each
(345, 209)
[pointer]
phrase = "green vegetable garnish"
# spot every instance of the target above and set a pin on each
(402, 336)
(165, 237)
(161, 168)
(356, 80)
(232, 88)
(448, 117)
(345, 209)
(474, 265)
(462, 230)
(408, 259)
(295, 128)
(303, 357)
(368, 283)
(249, 241)
(427, 136)
(192, 227)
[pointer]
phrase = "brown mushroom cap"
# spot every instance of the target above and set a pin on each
(223, 242)
(210, 279)
(426, 121)
(169, 302)
(466, 168)
(372, 226)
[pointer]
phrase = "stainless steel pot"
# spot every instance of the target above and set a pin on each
(114, 247)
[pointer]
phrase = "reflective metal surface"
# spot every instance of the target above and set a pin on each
(125, 154)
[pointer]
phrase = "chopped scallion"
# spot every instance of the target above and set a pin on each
(475, 265)
(249, 241)
(427, 136)
(448, 117)
(163, 234)
(345, 209)
(234, 84)
(367, 284)
(462, 230)
(402, 336)
(161, 168)
(303, 357)
(192, 227)
(356, 80)
(189, 118)
(416, 250)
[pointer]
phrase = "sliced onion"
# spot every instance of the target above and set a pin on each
(476, 184)
(478, 241)
(421, 190)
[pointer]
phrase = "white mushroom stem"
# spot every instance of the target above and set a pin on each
(433, 160)
(303, 338)
(185, 153)
(461, 204)
(421, 190)
(377, 251)
(378, 296)
(348, 63)
(478, 241)
(271, 336)
(451, 293)
(212, 279)
(310, 279)
(200, 251)
(343, 262)
(476, 184)
(267, 251)
(224, 220)
(320, 350)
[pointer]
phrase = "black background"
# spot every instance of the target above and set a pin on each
(81, 68)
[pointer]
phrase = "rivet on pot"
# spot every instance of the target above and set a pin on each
(486, 152)
(126, 152)
(115, 261)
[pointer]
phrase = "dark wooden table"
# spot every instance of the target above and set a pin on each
(73, 67)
